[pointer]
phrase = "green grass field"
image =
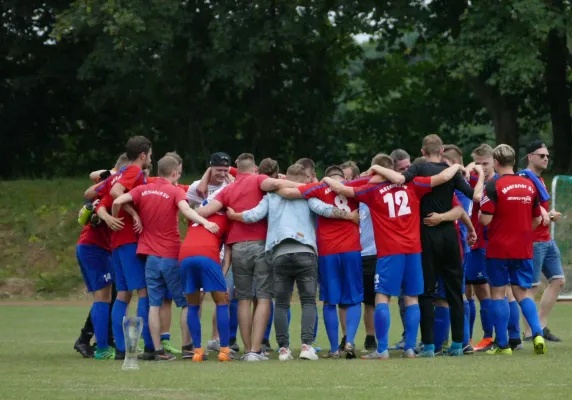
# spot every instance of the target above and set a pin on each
(37, 362)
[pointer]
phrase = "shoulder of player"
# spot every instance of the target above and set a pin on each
(310, 187)
(370, 187)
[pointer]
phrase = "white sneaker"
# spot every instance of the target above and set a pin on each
(308, 353)
(285, 354)
(213, 345)
(254, 357)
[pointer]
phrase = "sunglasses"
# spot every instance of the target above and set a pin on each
(543, 156)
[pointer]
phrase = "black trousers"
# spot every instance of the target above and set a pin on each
(441, 258)
(87, 330)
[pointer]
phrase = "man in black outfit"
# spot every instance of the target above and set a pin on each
(441, 253)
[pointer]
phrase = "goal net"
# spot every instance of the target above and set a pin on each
(562, 231)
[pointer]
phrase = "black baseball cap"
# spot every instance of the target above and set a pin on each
(220, 159)
(532, 147)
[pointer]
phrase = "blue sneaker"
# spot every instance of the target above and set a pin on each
(317, 348)
(456, 350)
(428, 351)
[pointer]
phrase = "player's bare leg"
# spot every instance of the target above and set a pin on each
(166, 317)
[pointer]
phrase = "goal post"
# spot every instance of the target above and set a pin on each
(562, 231)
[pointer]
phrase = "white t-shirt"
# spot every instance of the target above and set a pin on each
(195, 198)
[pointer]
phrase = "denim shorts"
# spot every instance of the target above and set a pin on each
(547, 260)
(162, 274)
(251, 273)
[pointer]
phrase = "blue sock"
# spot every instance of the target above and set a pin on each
(270, 320)
(514, 320)
(353, 320)
(233, 318)
(194, 324)
(440, 326)
(223, 324)
(412, 319)
(472, 316)
(500, 313)
(332, 325)
(143, 312)
(118, 311)
(467, 329)
(100, 319)
(486, 319)
(315, 325)
(382, 318)
(530, 313)
(165, 336)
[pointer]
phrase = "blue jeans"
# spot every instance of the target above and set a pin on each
(162, 274)
(547, 260)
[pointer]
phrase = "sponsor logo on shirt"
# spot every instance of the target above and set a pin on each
(524, 199)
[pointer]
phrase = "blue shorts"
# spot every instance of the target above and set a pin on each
(341, 279)
(162, 274)
(202, 272)
(476, 266)
(95, 265)
(503, 272)
(129, 269)
(547, 260)
(399, 274)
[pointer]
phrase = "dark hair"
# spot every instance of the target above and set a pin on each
(334, 170)
(399, 154)
(268, 167)
(353, 166)
(137, 145)
(307, 163)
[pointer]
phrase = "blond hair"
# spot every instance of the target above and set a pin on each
(432, 145)
(166, 166)
(484, 150)
(383, 160)
(504, 155)
(353, 166)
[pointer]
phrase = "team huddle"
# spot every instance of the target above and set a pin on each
(432, 233)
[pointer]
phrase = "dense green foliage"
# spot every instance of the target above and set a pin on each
(277, 78)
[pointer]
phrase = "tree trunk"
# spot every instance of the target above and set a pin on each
(502, 110)
(559, 100)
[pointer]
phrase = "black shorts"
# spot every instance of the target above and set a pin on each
(368, 267)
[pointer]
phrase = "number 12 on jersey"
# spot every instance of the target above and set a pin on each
(399, 198)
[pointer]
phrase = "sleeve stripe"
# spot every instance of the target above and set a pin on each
(421, 184)
(369, 189)
(313, 188)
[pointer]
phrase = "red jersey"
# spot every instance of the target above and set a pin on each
(200, 242)
(513, 202)
(242, 195)
(99, 236)
(542, 232)
(334, 236)
(395, 214)
(157, 204)
(482, 231)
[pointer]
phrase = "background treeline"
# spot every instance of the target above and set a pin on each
(278, 78)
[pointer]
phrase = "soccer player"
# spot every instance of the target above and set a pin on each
(251, 272)
(401, 160)
(510, 206)
(291, 247)
(200, 268)
(310, 168)
(395, 215)
(368, 260)
(93, 253)
(216, 177)
(441, 254)
(475, 262)
(546, 252)
(158, 205)
(339, 261)
(128, 268)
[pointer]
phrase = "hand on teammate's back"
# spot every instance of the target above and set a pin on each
(433, 219)
(211, 227)
(137, 224)
(471, 237)
(232, 215)
(555, 215)
(355, 216)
